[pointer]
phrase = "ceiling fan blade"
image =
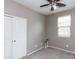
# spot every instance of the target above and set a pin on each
(60, 4)
(52, 8)
(44, 5)
(49, 0)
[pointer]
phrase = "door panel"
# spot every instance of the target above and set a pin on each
(7, 38)
(19, 38)
(15, 37)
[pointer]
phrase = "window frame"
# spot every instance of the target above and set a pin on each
(64, 27)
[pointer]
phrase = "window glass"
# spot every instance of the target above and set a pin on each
(64, 24)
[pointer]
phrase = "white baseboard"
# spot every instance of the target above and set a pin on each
(34, 51)
(51, 47)
(62, 49)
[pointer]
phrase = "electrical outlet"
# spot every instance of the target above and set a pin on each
(67, 46)
(36, 46)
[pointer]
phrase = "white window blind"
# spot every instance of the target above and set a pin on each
(64, 24)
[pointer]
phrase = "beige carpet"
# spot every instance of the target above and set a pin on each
(50, 53)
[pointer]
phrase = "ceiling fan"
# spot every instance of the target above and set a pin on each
(54, 4)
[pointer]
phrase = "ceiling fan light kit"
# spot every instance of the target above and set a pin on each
(54, 4)
(55, 7)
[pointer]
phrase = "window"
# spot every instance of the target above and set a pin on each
(64, 24)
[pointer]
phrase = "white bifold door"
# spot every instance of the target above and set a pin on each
(15, 38)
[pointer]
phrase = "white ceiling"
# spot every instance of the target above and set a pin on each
(35, 5)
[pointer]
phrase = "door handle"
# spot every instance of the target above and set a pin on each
(13, 40)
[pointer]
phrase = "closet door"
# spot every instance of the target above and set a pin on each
(19, 37)
(8, 37)
(15, 37)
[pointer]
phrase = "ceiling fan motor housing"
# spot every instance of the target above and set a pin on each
(53, 4)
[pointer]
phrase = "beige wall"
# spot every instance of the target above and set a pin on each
(56, 41)
(36, 26)
(36, 23)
